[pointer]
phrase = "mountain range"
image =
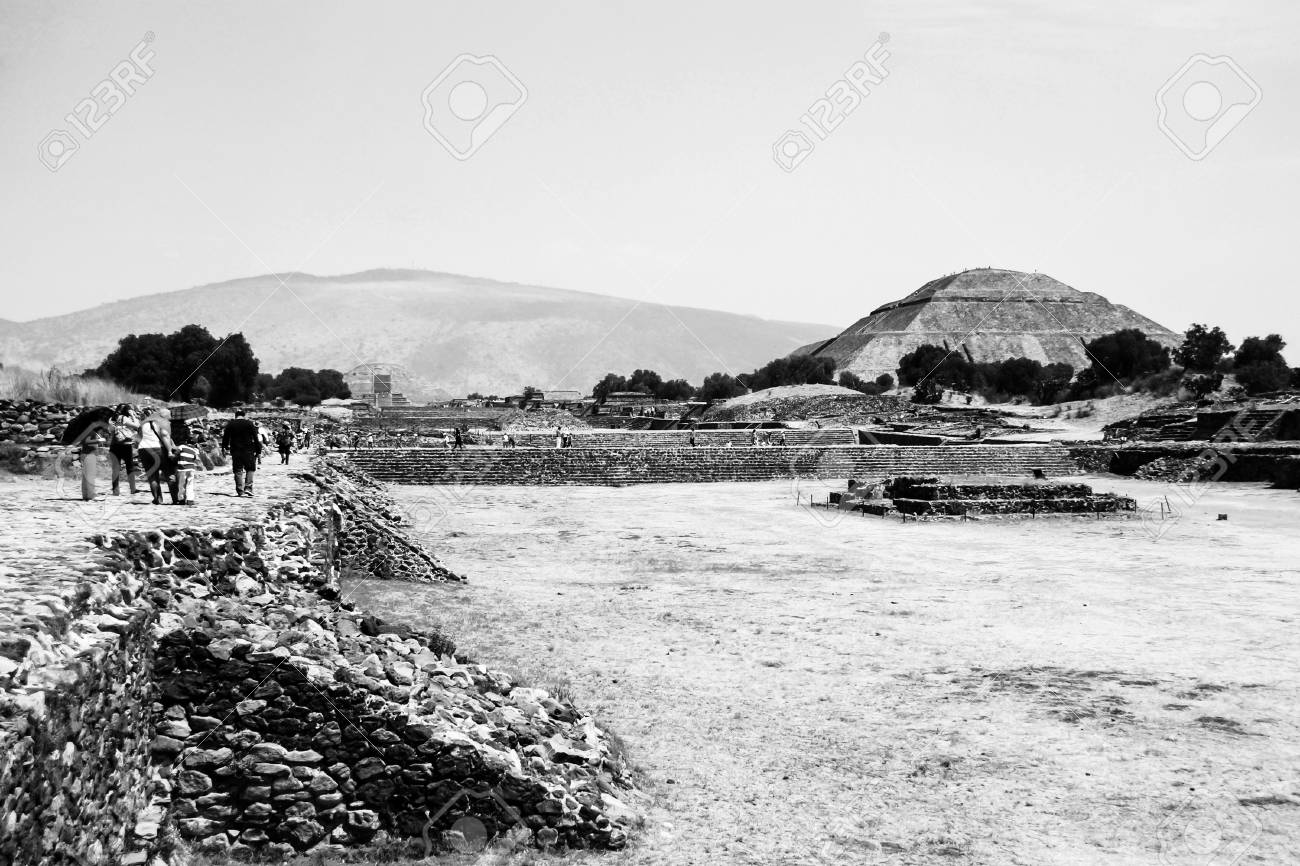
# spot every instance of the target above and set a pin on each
(451, 333)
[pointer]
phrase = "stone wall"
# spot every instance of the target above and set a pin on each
(75, 691)
(1275, 463)
(651, 465)
(210, 685)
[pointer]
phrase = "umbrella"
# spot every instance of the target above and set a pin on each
(87, 424)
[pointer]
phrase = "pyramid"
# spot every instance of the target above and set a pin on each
(988, 314)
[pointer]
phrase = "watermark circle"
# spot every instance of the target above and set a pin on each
(1202, 101)
(468, 100)
(468, 835)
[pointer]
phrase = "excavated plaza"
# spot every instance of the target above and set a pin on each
(803, 686)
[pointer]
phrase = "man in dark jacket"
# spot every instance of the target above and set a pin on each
(241, 441)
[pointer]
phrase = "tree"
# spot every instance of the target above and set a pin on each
(1255, 350)
(232, 368)
(302, 386)
(201, 389)
(1202, 349)
(474, 396)
(1126, 355)
(1053, 383)
(645, 381)
(677, 390)
(798, 370)
(720, 386)
(1259, 365)
(885, 381)
(607, 386)
(927, 361)
(1018, 377)
(168, 366)
(927, 391)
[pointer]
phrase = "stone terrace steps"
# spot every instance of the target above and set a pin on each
(680, 438)
(611, 466)
(1251, 425)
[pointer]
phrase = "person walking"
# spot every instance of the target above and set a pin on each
(264, 440)
(154, 444)
(89, 450)
(241, 440)
(188, 462)
(121, 448)
(284, 442)
(459, 443)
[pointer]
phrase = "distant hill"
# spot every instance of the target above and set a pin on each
(451, 332)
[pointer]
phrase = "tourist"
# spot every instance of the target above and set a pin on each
(459, 443)
(243, 443)
(121, 449)
(154, 444)
(284, 442)
(559, 437)
(92, 442)
(264, 438)
(691, 439)
(188, 462)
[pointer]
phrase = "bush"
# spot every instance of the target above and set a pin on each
(885, 381)
(1202, 385)
(1163, 384)
(857, 383)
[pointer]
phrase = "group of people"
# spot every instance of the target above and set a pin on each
(145, 443)
(148, 444)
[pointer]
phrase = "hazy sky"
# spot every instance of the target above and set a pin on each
(290, 136)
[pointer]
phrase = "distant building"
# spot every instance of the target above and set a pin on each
(561, 397)
(377, 384)
(629, 398)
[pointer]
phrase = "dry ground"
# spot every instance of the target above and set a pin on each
(804, 691)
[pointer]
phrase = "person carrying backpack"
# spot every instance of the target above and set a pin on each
(284, 442)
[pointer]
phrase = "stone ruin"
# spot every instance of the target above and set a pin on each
(207, 689)
(931, 497)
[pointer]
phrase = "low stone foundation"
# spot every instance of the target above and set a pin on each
(606, 466)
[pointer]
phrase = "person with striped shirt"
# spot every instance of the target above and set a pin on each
(188, 462)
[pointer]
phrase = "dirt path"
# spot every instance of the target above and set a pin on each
(1054, 691)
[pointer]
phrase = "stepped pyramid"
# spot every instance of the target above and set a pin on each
(989, 314)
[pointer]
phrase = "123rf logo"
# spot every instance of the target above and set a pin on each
(105, 100)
